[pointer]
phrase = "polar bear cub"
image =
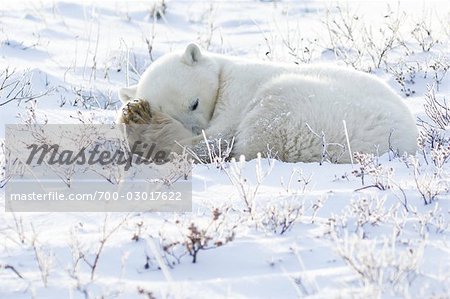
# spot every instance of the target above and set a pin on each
(290, 110)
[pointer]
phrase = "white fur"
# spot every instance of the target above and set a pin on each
(268, 106)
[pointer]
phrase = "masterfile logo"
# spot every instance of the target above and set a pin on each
(91, 168)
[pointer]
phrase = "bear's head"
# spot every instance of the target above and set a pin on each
(183, 85)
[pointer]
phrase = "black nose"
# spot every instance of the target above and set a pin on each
(194, 105)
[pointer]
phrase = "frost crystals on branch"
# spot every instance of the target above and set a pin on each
(17, 87)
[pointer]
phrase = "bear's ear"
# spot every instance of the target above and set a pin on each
(192, 54)
(127, 93)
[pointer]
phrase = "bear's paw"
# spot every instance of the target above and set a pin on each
(136, 112)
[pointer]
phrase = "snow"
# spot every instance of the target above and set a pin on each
(347, 241)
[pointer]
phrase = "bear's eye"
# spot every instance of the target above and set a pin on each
(194, 105)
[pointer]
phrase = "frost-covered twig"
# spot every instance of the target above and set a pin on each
(12, 268)
(246, 191)
(18, 87)
(326, 154)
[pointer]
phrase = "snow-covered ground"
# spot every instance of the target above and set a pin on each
(313, 231)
